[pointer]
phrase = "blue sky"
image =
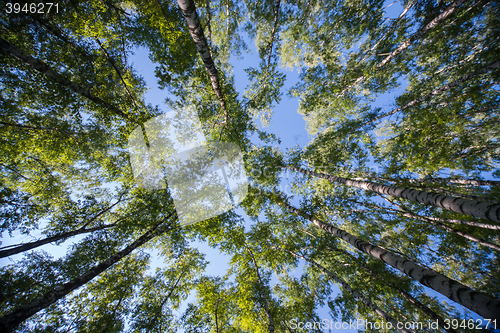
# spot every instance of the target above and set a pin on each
(288, 125)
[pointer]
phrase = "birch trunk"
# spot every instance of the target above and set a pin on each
(391, 28)
(356, 294)
(209, 27)
(264, 297)
(475, 182)
(433, 315)
(31, 245)
(11, 320)
(451, 221)
(117, 70)
(483, 305)
(452, 230)
(165, 300)
(188, 10)
(46, 70)
(437, 91)
(273, 32)
(483, 210)
(446, 13)
(465, 222)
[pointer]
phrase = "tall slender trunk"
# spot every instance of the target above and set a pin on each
(46, 70)
(11, 320)
(264, 297)
(483, 210)
(117, 70)
(475, 182)
(188, 9)
(461, 263)
(391, 28)
(443, 190)
(18, 248)
(437, 91)
(465, 235)
(447, 12)
(216, 319)
(403, 211)
(452, 221)
(465, 222)
(429, 312)
(435, 188)
(483, 305)
(165, 300)
(356, 294)
(36, 128)
(31, 245)
(273, 32)
(227, 21)
(209, 27)
(113, 314)
(56, 31)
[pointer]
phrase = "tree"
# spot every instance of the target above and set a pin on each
(487, 307)
(483, 210)
(14, 318)
(356, 294)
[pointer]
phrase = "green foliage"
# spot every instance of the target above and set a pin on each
(64, 164)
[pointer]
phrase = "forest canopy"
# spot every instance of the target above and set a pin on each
(393, 217)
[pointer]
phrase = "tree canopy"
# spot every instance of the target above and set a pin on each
(393, 214)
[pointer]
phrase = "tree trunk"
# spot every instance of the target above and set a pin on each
(356, 294)
(31, 245)
(273, 32)
(46, 70)
(436, 222)
(113, 314)
(165, 300)
(433, 315)
(447, 12)
(264, 297)
(11, 320)
(483, 305)
(475, 182)
(209, 27)
(56, 31)
(117, 70)
(483, 210)
(452, 221)
(443, 190)
(188, 9)
(452, 230)
(216, 319)
(465, 222)
(391, 28)
(437, 91)
(461, 263)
